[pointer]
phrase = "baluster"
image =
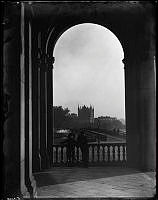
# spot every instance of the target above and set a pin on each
(88, 156)
(61, 154)
(66, 155)
(64, 151)
(123, 151)
(80, 155)
(119, 153)
(51, 156)
(111, 148)
(54, 150)
(95, 153)
(98, 151)
(116, 153)
(56, 154)
(88, 153)
(108, 152)
(103, 153)
(92, 153)
(77, 154)
(113, 153)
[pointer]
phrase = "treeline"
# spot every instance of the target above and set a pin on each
(63, 119)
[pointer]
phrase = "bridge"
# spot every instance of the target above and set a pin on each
(106, 135)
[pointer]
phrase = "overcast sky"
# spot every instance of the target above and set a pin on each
(88, 70)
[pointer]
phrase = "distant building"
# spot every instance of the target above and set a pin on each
(86, 114)
(107, 118)
(73, 115)
(108, 122)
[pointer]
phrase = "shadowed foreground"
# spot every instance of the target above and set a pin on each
(95, 182)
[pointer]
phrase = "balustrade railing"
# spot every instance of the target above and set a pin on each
(99, 154)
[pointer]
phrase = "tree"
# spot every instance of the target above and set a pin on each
(60, 115)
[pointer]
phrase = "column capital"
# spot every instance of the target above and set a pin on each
(45, 61)
(124, 61)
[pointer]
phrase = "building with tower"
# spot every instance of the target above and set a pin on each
(86, 114)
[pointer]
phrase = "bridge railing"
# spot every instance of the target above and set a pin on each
(99, 154)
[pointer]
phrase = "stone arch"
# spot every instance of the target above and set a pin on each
(55, 33)
(134, 28)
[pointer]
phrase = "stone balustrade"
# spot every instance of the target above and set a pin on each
(99, 154)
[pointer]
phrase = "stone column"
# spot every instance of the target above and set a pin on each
(49, 111)
(27, 98)
(31, 177)
(43, 107)
(42, 120)
(35, 105)
(45, 64)
(148, 115)
(26, 105)
(13, 90)
(140, 111)
(132, 114)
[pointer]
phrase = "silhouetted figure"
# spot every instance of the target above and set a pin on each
(70, 143)
(83, 144)
(71, 148)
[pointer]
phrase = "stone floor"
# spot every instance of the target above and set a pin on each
(95, 182)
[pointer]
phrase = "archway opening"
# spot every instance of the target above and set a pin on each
(88, 85)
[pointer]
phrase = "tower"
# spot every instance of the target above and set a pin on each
(86, 113)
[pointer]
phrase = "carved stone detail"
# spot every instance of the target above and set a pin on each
(45, 61)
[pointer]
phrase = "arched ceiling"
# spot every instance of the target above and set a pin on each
(131, 21)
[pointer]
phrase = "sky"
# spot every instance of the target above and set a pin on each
(88, 70)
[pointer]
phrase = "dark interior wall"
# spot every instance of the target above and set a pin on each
(11, 90)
